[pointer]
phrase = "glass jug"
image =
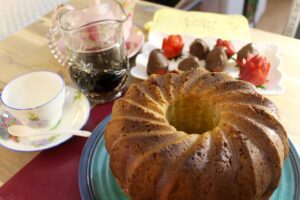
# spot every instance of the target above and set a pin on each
(94, 48)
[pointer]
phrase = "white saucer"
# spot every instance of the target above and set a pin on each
(76, 112)
(135, 41)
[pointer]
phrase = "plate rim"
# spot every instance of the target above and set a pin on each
(135, 28)
(294, 156)
(85, 183)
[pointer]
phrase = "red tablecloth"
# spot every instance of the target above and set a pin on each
(53, 174)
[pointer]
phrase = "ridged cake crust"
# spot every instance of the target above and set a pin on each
(237, 153)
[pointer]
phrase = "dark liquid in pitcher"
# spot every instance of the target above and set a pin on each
(97, 72)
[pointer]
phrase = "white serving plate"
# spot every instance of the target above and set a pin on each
(270, 50)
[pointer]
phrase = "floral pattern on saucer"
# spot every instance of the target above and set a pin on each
(7, 120)
(75, 114)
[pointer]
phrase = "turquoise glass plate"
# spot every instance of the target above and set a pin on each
(96, 181)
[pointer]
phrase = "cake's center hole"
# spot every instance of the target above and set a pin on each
(193, 115)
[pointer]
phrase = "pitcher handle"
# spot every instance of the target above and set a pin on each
(58, 11)
(55, 40)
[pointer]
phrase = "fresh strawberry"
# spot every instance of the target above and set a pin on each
(228, 46)
(172, 46)
(255, 69)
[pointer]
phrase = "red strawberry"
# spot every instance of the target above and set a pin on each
(228, 46)
(172, 46)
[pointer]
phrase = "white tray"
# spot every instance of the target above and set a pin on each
(268, 49)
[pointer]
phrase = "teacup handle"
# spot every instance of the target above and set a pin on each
(55, 41)
(2, 108)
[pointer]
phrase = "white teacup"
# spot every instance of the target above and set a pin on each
(35, 99)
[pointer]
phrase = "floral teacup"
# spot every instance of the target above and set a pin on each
(35, 99)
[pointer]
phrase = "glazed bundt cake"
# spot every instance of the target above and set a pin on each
(195, 135)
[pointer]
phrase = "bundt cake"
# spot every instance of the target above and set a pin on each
(195, 135)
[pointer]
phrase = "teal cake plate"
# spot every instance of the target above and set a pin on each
(96, 181)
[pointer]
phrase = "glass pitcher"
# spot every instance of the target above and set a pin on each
(94, 48)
